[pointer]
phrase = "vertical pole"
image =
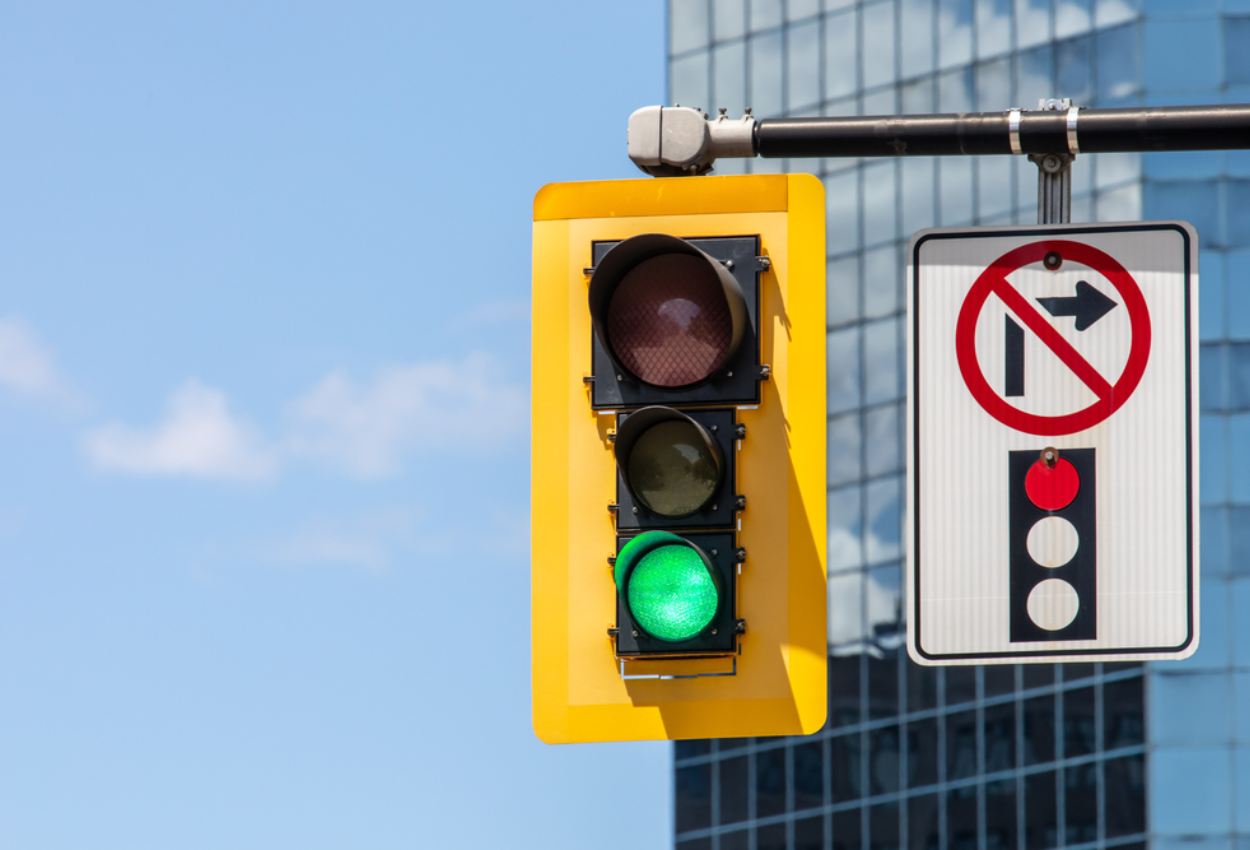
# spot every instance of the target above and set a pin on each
(1054, 187)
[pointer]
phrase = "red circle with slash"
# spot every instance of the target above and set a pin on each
(994, 281)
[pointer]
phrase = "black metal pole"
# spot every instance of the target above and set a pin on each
(1173, 128)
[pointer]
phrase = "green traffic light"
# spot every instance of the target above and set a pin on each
(669, 591)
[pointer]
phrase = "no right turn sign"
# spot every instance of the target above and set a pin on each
(1052, 443)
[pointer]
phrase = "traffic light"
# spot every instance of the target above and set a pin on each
(1053, 548)
(678, 496)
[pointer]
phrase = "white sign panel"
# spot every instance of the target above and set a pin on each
(1052, 443)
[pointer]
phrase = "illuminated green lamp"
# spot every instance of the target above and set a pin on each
(669, 585)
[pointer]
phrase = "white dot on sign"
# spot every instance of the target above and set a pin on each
(1053, 604)
(1052, 541)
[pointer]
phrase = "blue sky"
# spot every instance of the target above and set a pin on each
(264, 471)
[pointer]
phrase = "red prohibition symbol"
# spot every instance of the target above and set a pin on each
(1110, 396)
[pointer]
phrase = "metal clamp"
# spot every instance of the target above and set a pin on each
(1073, 112)
(1013, 131)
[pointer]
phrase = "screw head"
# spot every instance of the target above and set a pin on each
(1052, 260)
(634, 509)
(634, 632)
(729, 374)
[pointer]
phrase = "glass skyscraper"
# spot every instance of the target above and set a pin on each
(1023, 757)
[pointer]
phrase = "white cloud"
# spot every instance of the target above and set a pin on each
(366, 429)
(27, 366)
(197, 438)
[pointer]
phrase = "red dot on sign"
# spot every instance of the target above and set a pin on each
(1052, 489)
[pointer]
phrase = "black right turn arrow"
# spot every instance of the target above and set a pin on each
(1088, 305)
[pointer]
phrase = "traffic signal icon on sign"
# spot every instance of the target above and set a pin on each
(679, 418)
(1054, 579)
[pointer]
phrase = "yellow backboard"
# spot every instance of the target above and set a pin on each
(776, 684)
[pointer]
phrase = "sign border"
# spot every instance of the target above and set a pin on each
(1045, 231)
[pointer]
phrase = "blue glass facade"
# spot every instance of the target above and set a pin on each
(1074, 756)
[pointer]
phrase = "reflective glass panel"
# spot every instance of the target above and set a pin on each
(846, 609)
(844, 538)
(1080, 800)
(922, 822)
(809, 834)
(1000, 815)
(1000, 737)
(842, 371)
(847, 830)
(883, 672)
(1236, 57)
(993, 27)
(729, 81)
(842, 291)
(954, 32)
(922, 758)
(728, 19)
(1041, 824)
(881, 352)
(1123, 724)
(878, 51)
(844, 678)
(844, 767)
(916, 31)
(843, 449)
(884, 765)
(1039, 730)
(694, 797)
(961, 745)
(882, 439)
(883, 825)
(884, 517)
(766, 73)
(733, 790)
(841, 54)
(1078, 722)
(809, 775)
(770, 782)
(687, 24)
(1124, 786)
(803, 61)
(765, 14)
(1118, 62)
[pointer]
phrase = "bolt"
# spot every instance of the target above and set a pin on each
(634, 632)
(1052, 260)
(747, 110)
(723, 110)
(713, 551)
(729, 374)
(729, 264)
(635, 510)
(713, 631)
(620, 377)
(714, 427)
(1050, 456)
(714, 507)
